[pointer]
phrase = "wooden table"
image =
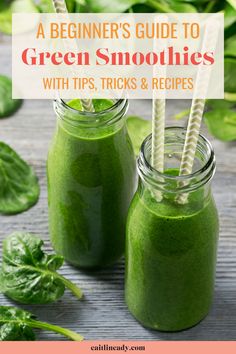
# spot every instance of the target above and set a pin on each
(103, 314)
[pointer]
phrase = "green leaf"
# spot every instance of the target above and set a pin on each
(230, 46)
(28, 274)
(19, 188)
(232, 3)
(16, 325)
(111, 6)
(14, 7)
(70, 4)
(219, 104)
(229, 15)
(183, 7)
(138, 129)
(13, 326)
(221, 123)
(231, 97)
(46, 6)
(8, 106)
(230, 74)
(142, 8)
(81, 6)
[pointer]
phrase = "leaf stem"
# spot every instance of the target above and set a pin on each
(73, 288)
(65, 332)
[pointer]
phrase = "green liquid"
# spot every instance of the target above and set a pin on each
(90, 184)
(170, 260)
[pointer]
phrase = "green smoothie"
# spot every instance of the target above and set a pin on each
(170, 259)
(91, 172)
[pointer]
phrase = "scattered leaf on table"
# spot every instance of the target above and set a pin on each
(17, 325)
(19, 188)
(28, 274)
(138, 129)
(13, 326)
(7, 105)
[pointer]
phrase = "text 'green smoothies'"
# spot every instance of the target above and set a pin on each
(172, 235)
(91, 176)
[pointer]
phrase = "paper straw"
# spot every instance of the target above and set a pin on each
(158, 134)
(158, 117)
(158, 140)
(197, 108)
(60, 8)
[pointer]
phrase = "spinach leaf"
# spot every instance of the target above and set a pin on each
(111, 6)
(140, 8)
(221, 123)
(229, 15)
(230, 74)
(19, 188)
(17, 325)
(182, 7)
(220, 104)
(14, 7)
(7, 105)
(13, 324)
(138, 129)
(230, 46)
(70, 4)
(29, 275)
(81, 6)
(232, 3)
(47, 6)
(231, 97)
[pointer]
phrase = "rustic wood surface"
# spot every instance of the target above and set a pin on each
(103, 313)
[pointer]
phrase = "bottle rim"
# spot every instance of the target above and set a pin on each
(76, 117)
(185, 183)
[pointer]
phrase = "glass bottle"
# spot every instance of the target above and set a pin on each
(91, 173)
(172, 234)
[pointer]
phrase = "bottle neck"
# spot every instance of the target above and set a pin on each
(169, 184)
(75, 121)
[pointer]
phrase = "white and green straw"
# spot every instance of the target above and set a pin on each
(197, 108)
(158, 119)
(158, 134)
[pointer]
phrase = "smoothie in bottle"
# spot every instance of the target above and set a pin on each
(171, 247)
(91, 172)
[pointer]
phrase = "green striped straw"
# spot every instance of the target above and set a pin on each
(197, 108)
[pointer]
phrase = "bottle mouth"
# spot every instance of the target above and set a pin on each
(203, 168)
(90, 119)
